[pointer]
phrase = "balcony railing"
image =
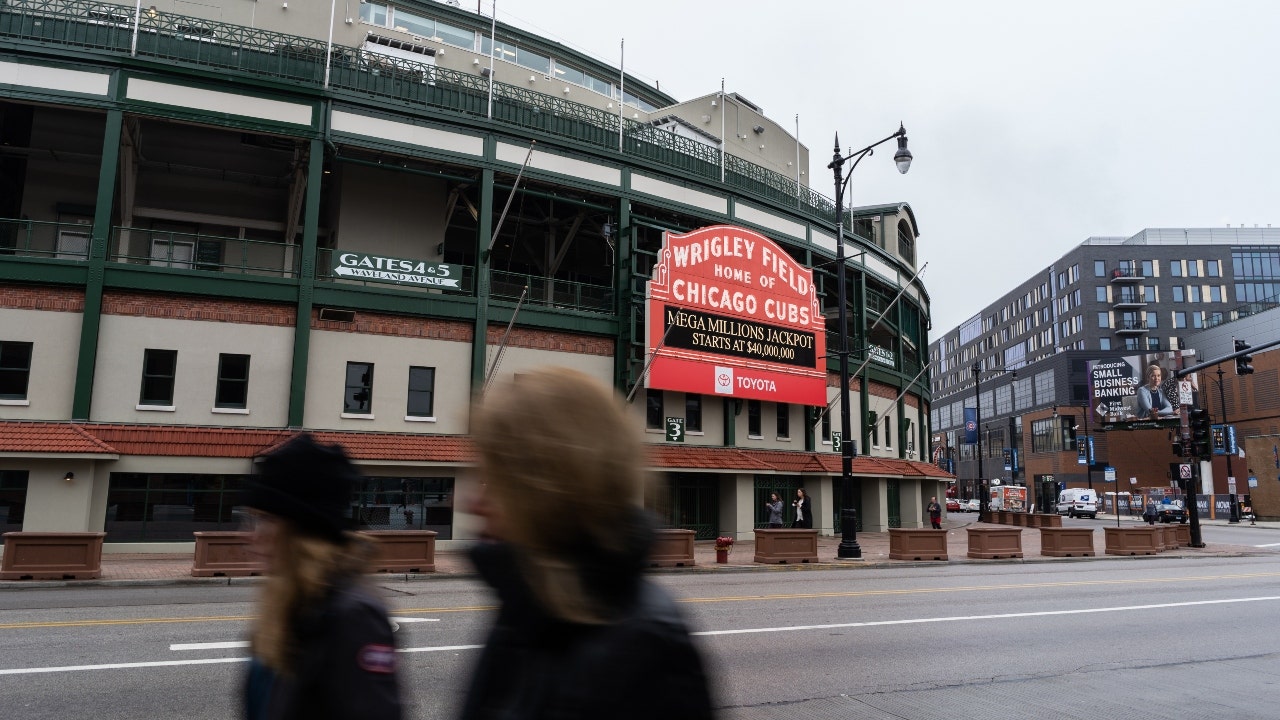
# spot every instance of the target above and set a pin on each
(1131, 327)
(552, 292)
(1130, 299)
(29, 238)
(138, 246)
(1126, 275)
(185, 40)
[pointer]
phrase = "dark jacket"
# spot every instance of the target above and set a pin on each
(805, 514)
(640, 666)
(345, 667)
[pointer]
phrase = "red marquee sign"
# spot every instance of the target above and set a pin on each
(741, 319)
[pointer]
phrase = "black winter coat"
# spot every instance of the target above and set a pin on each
(643, 666)
(345, 668)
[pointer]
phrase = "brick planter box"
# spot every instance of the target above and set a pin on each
(917, 544)
(1183, 533)
(403, 550)
(225, 553)
(1170, 538)
(1144, 540)
(990, 543)
(672, 548)
(1066, 542)
(52, 556)
(786, 545)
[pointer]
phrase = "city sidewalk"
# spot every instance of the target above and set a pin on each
(122, 569)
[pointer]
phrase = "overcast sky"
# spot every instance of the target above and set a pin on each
(1034, 125)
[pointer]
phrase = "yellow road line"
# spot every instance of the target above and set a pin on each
(708, 600)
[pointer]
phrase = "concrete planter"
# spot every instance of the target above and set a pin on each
(786, 545)
(52, 556)
(225, 553)
(917, 544)
(1066, 542)
(403, 550)
(672, 548)
(1183, 533)
(990, 543)
(1049, 520)
(1145, 540)
(1170, 537)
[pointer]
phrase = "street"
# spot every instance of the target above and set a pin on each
(1124, 638)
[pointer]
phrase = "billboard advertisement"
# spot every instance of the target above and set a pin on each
(740, 319)
(1139, 391)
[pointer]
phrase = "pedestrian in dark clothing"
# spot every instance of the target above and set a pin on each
(581, 633)
(1149, 514)
(774, 506)
(935, 513)
(804, 509)
(321, 645)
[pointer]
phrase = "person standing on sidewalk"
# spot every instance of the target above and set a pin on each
(321, 645)
(775, 510)
(935, 513)
(581, 633)
(804, 509)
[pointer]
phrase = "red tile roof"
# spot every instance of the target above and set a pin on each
(180, 440)
(407, 447)
(783, 461)
(43, 437)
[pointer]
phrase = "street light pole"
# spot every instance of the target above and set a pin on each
(983, 510)
(1088, 454)
(848, 516)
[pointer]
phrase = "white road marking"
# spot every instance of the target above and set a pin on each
(793, 628)
(413, 619)
(1269, 545)
(1001, 616)
(210, 646)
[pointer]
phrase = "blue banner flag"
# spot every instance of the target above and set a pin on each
(970, 426)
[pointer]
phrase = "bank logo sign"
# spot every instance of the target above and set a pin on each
(379, 268)
(740, 318)
(1139, 391)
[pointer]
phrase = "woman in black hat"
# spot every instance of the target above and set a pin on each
(322, 644)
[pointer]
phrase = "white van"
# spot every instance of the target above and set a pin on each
(1075, 502)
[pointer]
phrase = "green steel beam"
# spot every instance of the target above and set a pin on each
(306, 284)
(479, 342)
(91, 319)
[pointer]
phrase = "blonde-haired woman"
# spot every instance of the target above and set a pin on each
(580, 632)
(321, 645)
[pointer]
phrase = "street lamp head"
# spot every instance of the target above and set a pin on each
(902, 158)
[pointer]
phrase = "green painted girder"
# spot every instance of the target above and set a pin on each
(41, 271)
(193, 282)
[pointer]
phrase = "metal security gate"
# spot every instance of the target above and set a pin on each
(785, 486)
(837, 499)
(687, 501)
(895, 503)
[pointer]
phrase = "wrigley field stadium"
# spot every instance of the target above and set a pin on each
(225, 223)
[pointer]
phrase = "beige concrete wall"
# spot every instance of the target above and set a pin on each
(384, 212)
(118, 375)
(55, 505)
(391, 358)
(55, 344)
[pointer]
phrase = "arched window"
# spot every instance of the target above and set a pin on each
(906, 242)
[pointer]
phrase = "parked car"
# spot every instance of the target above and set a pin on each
(953, 505)
(972, 505)
(1171, 512)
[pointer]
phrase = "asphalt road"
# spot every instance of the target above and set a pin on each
(1108, 638)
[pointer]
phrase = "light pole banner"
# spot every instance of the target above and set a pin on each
(740, 316)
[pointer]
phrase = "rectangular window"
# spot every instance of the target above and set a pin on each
(1212, 268)
(15, 370)
(1099, 268)
(233, 381)
(1104, 319)
(1152, 321)
(1193, 268)
(172, 253)
(159, 368)
(422, 392)
(826, 426)
(653, 419)
(1180, 319)
(1148, 268)
(1193, 293)
(784, 421)
(1175, 268)
(1104, 343)
(1178, 293)
(1197, 319)
(357, 397)
(1102, 293)
(692, 413)
(874, 424)
(13, 499)
(753, 419)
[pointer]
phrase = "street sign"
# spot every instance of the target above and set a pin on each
(1184, 471)
(1008, 458)
(1109, 474)
(835, 442)
(675, 429)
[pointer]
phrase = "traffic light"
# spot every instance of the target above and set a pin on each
(1201, 433)
(1177, 448)
(1243, 366)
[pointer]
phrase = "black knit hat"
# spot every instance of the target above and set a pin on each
(307, 483)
